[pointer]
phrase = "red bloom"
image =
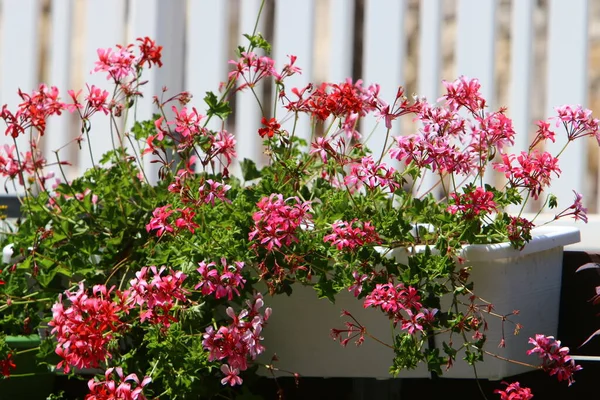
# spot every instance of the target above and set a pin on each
(6, 365)
(514, 391)
(85, 328)
(473, 203)
(150, 52)
(270, 129)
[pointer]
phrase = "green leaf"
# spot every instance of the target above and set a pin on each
(249, 170)
(215, 107)
(552, 201)
(258, 42)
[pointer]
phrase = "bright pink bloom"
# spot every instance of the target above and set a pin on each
(372, 174)
(473, 203)
(223, 282)
(231, 375)
(186, 124)
(514, 391)
(555, 359)
(276, 223)
(238, 342)
(353, 234)
(534, 171)
(224, 143)
(211, 191)
(120, 388)
(118, 63)
(578, 122)
(156, 295)
(85, 328)
(464, 92)
(159, 221)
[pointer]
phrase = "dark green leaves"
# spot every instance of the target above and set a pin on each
(216, 107)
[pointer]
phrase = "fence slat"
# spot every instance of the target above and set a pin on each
(105, 23)
(520, 72)
(341, 28)
(567, 84)
(430, 22)
(19, 59)
(247, 118)
(295, 37)
(58, 132)
(384, 47)
(475, 49)
(165, 24)
(206, 60)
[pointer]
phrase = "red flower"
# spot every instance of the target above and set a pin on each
(150, 52)
(270, 129)
(7, 365)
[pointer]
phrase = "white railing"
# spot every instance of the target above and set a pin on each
(55, 41)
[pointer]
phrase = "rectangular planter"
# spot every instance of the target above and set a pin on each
(528, 280)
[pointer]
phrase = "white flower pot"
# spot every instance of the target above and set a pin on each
(528, 280)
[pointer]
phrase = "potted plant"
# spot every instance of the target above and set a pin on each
(167, 288)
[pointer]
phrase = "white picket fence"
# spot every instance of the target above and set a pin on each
(197, 37)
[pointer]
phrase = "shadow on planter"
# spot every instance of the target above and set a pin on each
(28, 381)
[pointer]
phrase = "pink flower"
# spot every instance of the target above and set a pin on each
(211, 191)
(224, 282)
(473, 203)
(159, 221)
(555, 359)
(238, 342)
(158, 294)
(186, 124)
(534, 171)
(353, 234)
(224, 143)
(276, 223)
(118, 63)
(514, 391)
(119, 388)
(231, 375)
(578, 122)
(372, 174)
(577, 210)
(85, 328)
(464, 92)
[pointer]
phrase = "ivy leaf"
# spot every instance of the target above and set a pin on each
(215, 107)
(258, 41)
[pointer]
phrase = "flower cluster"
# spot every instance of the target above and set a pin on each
(239, 341)
(351, 235)
(86, 327)
(392, 300)
(276, 223)
(514, 391)
(120, 388)
(222, 284)
(555, 359)
(473, 203)
(155, 295)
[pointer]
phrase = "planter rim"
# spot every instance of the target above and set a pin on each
(543, 238)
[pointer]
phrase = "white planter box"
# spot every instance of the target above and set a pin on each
(528, 280)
